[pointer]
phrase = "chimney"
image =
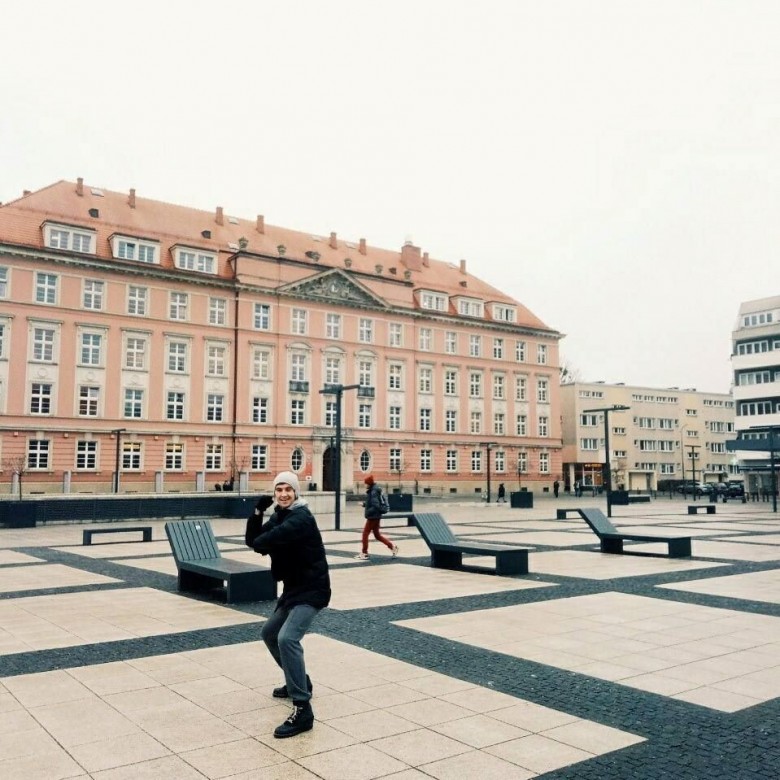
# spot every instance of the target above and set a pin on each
(79, 186)
(410, 256)
(425, 261)
(219, 219)
(362, 246)
(334, 244)
(260, 223)
(131, 199)
(463, 266)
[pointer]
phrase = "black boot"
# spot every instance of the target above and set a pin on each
(301, 719)
(282, 693)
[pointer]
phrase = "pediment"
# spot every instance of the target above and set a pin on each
(334, 286)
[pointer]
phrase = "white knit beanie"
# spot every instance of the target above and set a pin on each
(288, 478)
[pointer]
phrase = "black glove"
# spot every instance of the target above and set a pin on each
(263, 503)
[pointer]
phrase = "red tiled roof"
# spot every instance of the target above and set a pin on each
(21, 220)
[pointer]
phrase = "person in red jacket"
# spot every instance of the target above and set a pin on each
(373, 514)
(293, 541)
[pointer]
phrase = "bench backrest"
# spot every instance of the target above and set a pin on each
(192, 540)
(598, 521)
(434, 529)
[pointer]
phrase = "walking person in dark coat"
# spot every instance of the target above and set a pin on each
(556, 488)
(373, 514)
(292, 539)
(501, 493)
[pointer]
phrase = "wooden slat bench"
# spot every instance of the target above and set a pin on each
(201, 566)
(447, 551)
(88, 533)
(612, 540)
(694, 509)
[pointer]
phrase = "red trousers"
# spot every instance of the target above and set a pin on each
(372, 526)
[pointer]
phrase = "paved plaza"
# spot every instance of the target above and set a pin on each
(590, 667)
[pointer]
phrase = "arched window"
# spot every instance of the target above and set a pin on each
(296, 460)
(365, 461)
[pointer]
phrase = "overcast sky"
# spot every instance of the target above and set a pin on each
(612, 164)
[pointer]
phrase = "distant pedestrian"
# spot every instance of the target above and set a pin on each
(375, 506)
(501, 493)
(577, 488)
(556, 487)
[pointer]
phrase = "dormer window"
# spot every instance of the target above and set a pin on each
(504, 313)
(195, 260)
(433, 301)
(139, 249)
(76, 239)
(469, 307)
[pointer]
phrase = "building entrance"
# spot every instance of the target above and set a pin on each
(329, 469)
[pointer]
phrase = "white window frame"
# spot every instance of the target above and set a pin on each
(178, 306)
(190, 259)
(261, 316)
(137, 300)
(93, 294)
(299, 322)
(217, 311)
(47, 287)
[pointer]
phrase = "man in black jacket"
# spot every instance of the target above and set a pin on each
(292, 539)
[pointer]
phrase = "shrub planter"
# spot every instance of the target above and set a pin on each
(619, 498)
(523, 499)
(400, 502)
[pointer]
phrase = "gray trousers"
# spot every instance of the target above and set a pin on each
(282, 634)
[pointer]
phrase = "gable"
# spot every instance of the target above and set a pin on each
(336, 287)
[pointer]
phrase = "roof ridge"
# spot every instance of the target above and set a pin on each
(29, 193)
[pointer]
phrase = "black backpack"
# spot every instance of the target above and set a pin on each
(384, 504)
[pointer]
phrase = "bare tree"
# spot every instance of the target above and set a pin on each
(618, 473)
(569, 373)
(17, 466)
(399, 471)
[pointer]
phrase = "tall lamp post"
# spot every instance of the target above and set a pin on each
(693, 455)
(772, 449)
(338, 391)
(605, 410)
(118, 433)
(488, 445)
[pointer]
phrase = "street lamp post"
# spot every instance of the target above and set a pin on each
(693, 456)
(607, 468)
(118, 433)
(773, 477)
(487, 445)
(338, 391)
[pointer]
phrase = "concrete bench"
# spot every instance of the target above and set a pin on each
(408, 516)
(88, 533)
(447, 550)
(612, 540)
(639, 499)
(202, 568)
(694, 509)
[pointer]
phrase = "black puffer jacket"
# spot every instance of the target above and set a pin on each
(373, 503)
(292, 539)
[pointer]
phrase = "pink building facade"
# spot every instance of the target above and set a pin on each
(189, 348)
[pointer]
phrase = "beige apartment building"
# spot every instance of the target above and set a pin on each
(153, 347)
(665, 434)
